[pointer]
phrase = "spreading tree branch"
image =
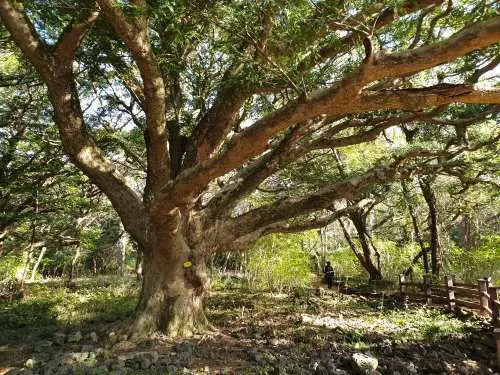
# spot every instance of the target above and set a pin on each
(56, 70)
(133, 32)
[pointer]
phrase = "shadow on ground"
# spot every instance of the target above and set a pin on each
(259, 333)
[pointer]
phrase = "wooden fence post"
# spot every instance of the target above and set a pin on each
(483, 285)
(402, 291)
(495, 311)
(427, 289)
(451, 292)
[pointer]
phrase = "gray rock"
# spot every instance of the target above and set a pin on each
(59, 338)
(115, 364)
(30, 363)
(398, 366)
(43, 345)
(256, 356)
(113, 337)
(78, 356)
(145, 363)
(163, 360)
(364, 362)
(470, 367)
(331, 366)
(151, 356)
(87, 348)
(77, 337)
(93, 336)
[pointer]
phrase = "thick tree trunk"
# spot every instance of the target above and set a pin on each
(174, 285)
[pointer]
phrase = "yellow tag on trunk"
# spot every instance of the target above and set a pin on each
(187, 264)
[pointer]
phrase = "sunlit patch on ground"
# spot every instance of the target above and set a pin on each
(258, 333)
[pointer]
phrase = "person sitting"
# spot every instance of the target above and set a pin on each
(328, 271)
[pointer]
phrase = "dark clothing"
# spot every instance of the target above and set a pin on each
(328, 275)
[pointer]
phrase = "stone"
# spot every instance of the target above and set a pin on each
(163, 360)
(43, 345)
(79, 356)
(256, 356)
(364, 362)
(152, 356)
(30, 363)
(76, 337)
(331, 366)
(145, 363)
(59, 338)
(470, 367)
(87, 348)
(93, 336)
(113, 337)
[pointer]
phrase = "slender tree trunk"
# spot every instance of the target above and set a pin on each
(435, 244)
(469, 241)
(74, 262)
(139, 263)
(365, 258)
(174, 285)
(362, 231)
(123, 243)
(37, 264)
(416, 229)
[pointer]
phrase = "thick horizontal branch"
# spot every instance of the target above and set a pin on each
(290, 150)
(419, 99)
(243, 242)
(344, 97)
(286, 208)
(405, 63)
(381, 19)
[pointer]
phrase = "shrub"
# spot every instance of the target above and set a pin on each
(279, 263)
(470, 265)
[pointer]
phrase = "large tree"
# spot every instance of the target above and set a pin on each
(229, 93)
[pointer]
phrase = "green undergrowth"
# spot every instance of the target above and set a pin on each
(303, 319)
(51, 306)
(349, 321)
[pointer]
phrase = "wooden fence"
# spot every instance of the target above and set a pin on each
(482, 297)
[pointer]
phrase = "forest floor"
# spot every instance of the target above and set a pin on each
(54, 330)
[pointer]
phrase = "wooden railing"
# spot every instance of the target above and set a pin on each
(482, 297)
